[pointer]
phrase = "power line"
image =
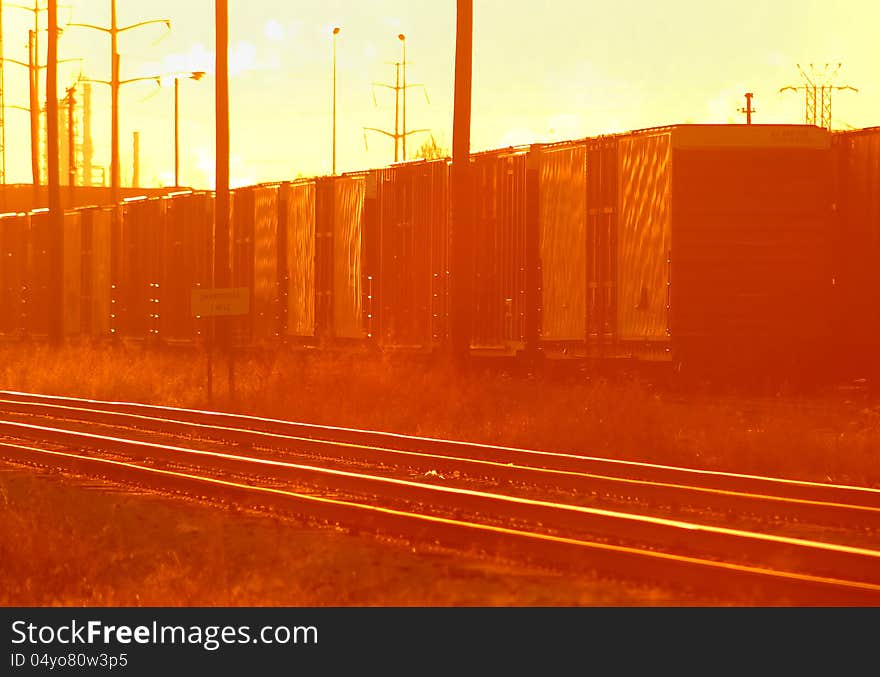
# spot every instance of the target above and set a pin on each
(818, 87)
(399, 135)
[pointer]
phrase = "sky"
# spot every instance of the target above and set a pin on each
(543, 71)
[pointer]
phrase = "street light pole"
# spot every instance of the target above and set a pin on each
(195, 75)
(114, 106)
(176, 133)
(335, 33)
(402, 39)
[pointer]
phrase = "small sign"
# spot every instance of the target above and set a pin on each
(220, 302)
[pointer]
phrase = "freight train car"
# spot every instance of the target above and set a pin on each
(501, 228)
(13, 260)
(136, 282)
(694, 242)
(296, 259)
(857, 249)
(185, 263)
(254, 260)
(410, 285)
(344, 224)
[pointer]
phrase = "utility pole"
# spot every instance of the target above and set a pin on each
(56, 216)
(461, 240)
(748, 110)
(135, 159)
(2, 109)
(115, 83)
(33, 90)
(222, 272)
(817, 89)
(70, 99)
(399, 136)
(336, 31)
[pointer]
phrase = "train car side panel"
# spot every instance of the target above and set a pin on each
(300, 278)
(562, 224)
(644, 240)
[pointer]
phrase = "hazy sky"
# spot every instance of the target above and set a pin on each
(552, 70)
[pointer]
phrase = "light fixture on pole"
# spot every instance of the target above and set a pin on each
(335, 33)
(194, 75)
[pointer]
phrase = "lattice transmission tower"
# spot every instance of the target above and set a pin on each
(818, 87)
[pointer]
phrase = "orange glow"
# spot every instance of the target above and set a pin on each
(541, 73)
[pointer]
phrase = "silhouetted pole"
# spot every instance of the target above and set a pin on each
(135, 159)
(748, 110)
(402, 39)
(461, 268)
(335, 33)
(221, 213)
(56, 216)
(222, 272)
(34, 104)
(114, 107)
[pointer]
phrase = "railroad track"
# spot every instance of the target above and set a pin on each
(364, 479)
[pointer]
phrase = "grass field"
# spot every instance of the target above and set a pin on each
(63, 544)
(828, 434)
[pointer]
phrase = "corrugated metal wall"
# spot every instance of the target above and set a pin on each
(265, 307)
(413, 230)
(602, 206)
(137, 287)
(36, 293)
(500, 250)
(752, 247)
(349, 193)
(644, 237)
(299, 279)
(562, 229)
(71, 290)
(13, 239)
(96, 291)
(186, 263)
(857, 246)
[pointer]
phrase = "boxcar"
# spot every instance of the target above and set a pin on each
(96, 286)
(412, 277)
(13, 258)
(296, 245)
(185, 262)
(501, 227)
(136, 279)
(254, 259)
(857, 249)
(342, 281)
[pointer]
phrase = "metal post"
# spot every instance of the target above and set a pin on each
(114, 107)
(56, 216)
(335, 33)
(461, 230)
(176, 133)
(402, 38)
(397, 112)
(35, 117)
(222, 272)
(71, 144)
(135, 159)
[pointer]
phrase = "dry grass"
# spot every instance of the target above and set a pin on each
(63, 545)
(828, 435)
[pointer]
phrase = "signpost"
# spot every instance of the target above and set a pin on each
(219, 303)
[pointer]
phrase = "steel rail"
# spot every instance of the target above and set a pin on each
(503, 454)
(816, 501)
(820, 558)
(556, 551)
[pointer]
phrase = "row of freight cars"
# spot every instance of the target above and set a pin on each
(703, 243)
